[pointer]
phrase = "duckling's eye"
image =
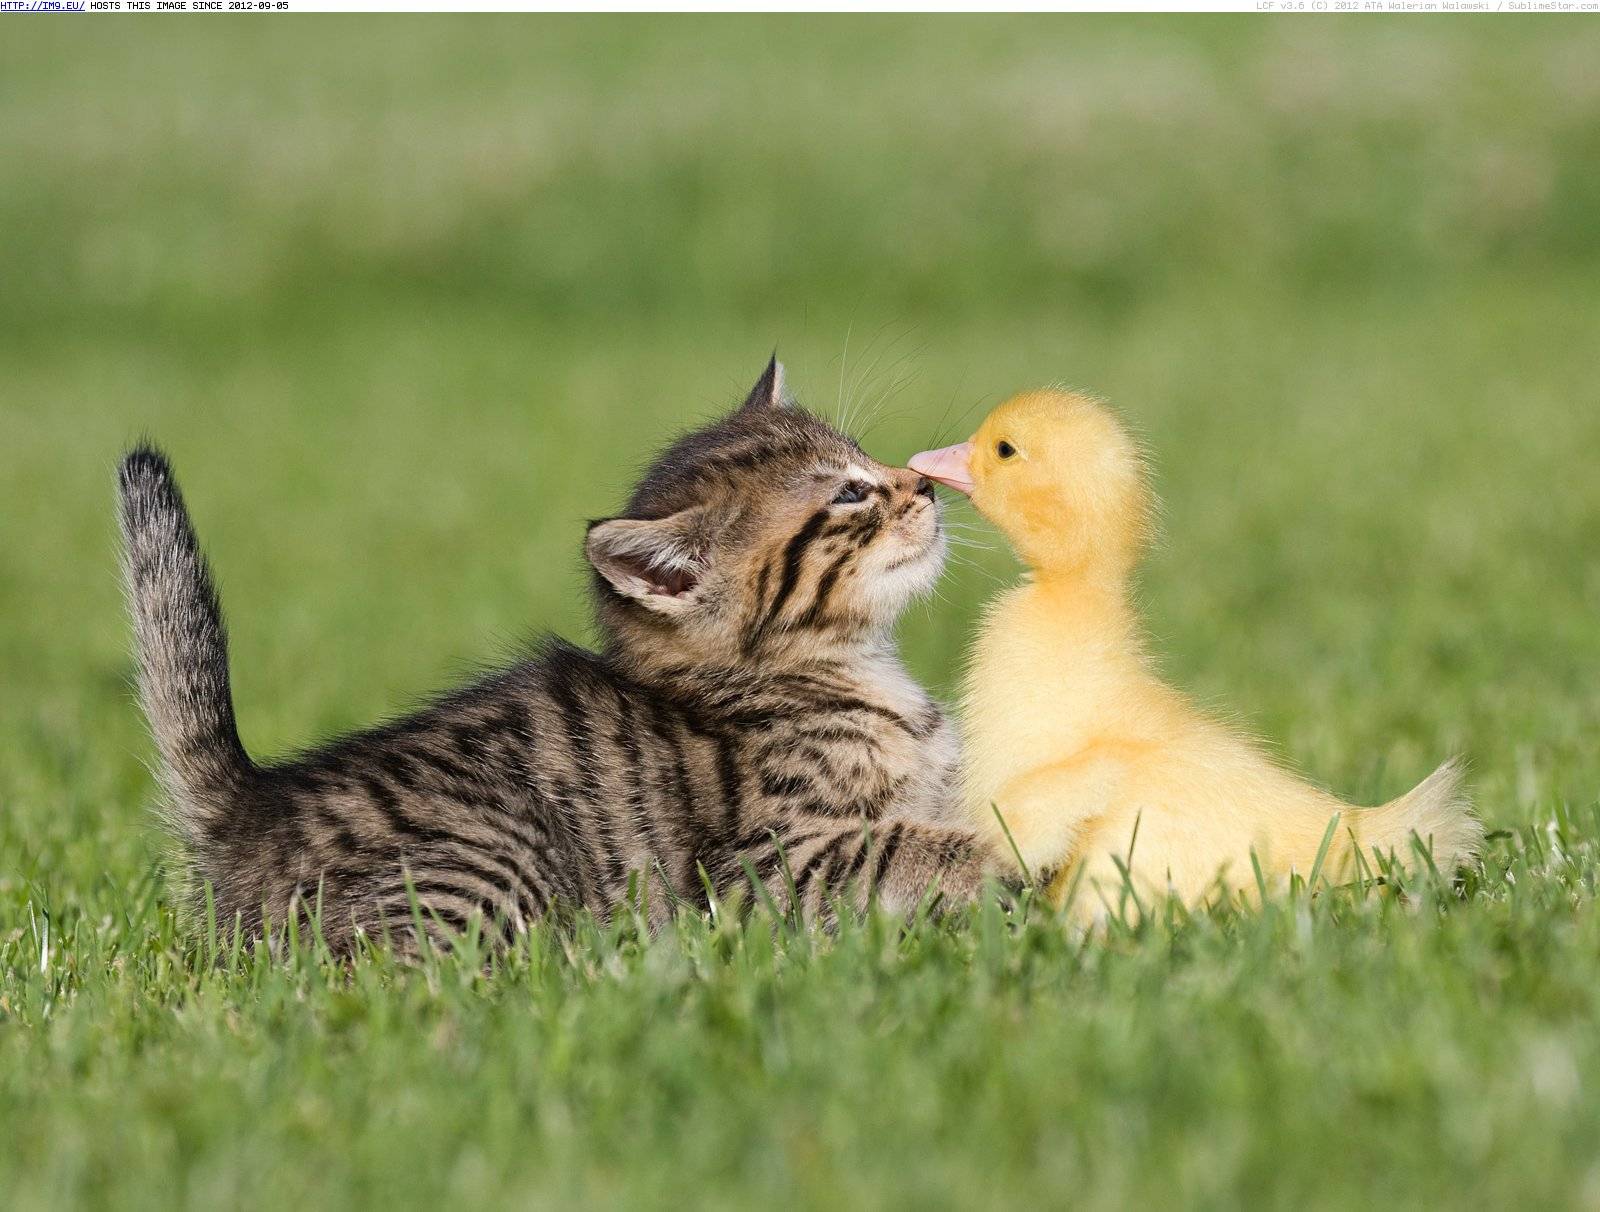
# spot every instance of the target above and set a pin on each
(1005, 450)
(853, 493)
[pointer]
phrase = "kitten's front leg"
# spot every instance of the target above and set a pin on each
(935, 793)
(898, 862)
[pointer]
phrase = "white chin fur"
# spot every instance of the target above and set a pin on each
(894, 587)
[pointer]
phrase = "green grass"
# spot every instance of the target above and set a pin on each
(408, 300)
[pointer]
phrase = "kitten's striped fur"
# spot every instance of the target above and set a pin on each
(747, 712)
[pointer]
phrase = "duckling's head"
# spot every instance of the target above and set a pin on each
(1060, 475)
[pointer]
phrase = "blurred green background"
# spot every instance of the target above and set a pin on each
(408, 299)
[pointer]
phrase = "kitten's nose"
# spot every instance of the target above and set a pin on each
(904, 483)
(924, 487)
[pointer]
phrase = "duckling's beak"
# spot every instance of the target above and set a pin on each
(949, 465)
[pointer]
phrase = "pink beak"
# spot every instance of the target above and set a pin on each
(948, 465)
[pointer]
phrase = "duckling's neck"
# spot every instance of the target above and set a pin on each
(1091, 604)
(1062, 648)
(1087, 584)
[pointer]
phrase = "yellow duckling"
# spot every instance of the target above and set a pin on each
(1094, 763)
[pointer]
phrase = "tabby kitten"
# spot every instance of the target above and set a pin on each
(747, 714)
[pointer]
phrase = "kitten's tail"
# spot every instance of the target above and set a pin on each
(182, 649)
(1436, 810)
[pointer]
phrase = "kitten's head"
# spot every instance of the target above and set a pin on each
(767, 531)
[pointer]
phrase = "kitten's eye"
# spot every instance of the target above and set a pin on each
(1005, 450)
(852, 493)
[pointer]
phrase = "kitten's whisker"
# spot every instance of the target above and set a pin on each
(844, 360)
(848, 393)
(986, 573)
(960, 421)
(878, 416)
(868, 374)
(901, 380)
(898, 380)
(944, 415)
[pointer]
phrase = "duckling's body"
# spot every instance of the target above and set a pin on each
(1094, 763)
(1079, 745)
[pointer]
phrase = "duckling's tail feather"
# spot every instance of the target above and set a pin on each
(1436, 810)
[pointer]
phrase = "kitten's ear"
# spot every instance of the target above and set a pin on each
(768, 391)
(658, 563)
